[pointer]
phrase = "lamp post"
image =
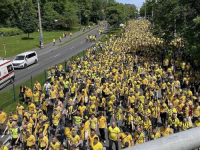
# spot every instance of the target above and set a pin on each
(80, 15)
(145, 9)
(40, 24)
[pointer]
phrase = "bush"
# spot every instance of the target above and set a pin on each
(10, 31)
(91, 23)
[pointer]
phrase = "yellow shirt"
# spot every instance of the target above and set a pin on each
(154, 136)
(91, 139)
(3, 147)
(196, 111)
(154, 111)
(53, 94)
(30, 140)
(197, 123)
(3, 117)
(55, 119)
(125, 139)
(118, 114)
(55, 146)
(102, 122)
(31, 107)
(139, 138)
(185, 126)
(97, 146)
(19, 110)
(75, 139)
(43, 141)
(93, 122)
(82, 110)
(113, 132)
(166, 132)
(92, 109)
(36, 97)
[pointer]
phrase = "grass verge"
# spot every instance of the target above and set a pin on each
(21, 43)
(113, 31)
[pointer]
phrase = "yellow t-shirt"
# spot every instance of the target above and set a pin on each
(154, 136)
(3, 117)
(125, 139)
(19, 110)
(55, 119)
(113, 133)
(102, 122)
(31, 107)
(91, 139)
(43, 141)
(97, 146)
(196, 111)
(36, 97)
(166, 132)
(74, 140)
(139, 138)
(93, 122)
(55, 146)
(30, 140)
(82, 110)
(53, 94)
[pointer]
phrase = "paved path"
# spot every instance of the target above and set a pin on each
(52, 55)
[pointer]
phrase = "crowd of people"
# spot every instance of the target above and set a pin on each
(132, 92)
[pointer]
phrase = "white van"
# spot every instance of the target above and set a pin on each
(25, 59)
(6, 73)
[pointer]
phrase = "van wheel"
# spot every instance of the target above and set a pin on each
(11, 80)
(36, 61)
(25, 66)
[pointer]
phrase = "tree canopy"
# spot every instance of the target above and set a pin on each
(177, 19)
(65, 12)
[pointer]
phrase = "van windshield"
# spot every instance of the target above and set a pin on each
(19, 58)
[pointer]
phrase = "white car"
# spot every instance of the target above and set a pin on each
(25, 59)
(6, 73)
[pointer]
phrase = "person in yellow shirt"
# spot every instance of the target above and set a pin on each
(117, 115)
(3, 147)
(154, 134)
(55, 118)
(126, 139)
(19, 113)
(74, 139)
(93, 122)
(155, 114)
(82, 109)
(197, 122)
(196, 112)
(53, 94)
(185, 125)
(113, 135)
(3, 118)
(91, 137)
(54, 145)
(43, 141)
(163, 111)
(35, 97)
(96, 144)
(37, 86)
(174, 123)
(164, 130)
(31, 106)
(102, 126)
(28, 93)
(30, 140)
(139, 137)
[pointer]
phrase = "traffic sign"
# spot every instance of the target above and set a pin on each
(4, 44)
(41, 38)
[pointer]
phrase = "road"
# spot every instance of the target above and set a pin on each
(51, 56)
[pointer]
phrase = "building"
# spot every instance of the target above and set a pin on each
(129, 5)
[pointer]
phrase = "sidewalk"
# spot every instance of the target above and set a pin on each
(50, 46)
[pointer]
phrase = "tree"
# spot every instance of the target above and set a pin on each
(28, 23)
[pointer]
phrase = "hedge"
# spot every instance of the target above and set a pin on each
(10, 31)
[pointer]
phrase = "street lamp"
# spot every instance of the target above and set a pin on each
(40, 24)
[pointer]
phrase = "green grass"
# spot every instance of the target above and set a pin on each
(21, 43)
(77, 36)
(113, 31)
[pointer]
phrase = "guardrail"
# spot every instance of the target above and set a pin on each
(186, 140)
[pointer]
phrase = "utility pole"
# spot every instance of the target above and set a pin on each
(40, 24)
(80, 15)
(145, 9)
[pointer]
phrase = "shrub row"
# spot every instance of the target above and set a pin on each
(10, 31)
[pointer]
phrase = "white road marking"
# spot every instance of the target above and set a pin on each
(72, 48)
(33, 66)
(57, 55)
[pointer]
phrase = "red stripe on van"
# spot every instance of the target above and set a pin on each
(5, 63)
(6, 75)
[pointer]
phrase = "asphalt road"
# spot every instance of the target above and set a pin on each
(50, 56)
